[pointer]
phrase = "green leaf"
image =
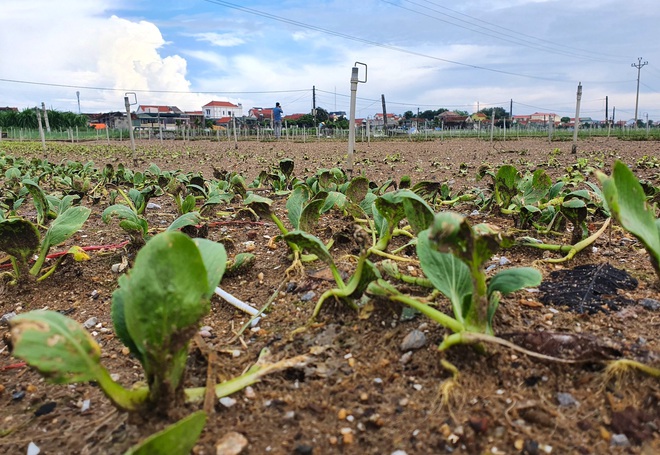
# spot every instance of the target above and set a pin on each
(215, 262)
(187, 219)
(177, 439)
(627, 202)
(19, 238)
(260, 205)
(447, 273)
(511, 280)
(357, 189)
(162, 300)
(60, 348)
(310, 243)
(310, 215)
(506, 185)
(39, 199)
(295, 204)
(121, 211)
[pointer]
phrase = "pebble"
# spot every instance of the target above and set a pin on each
(151, 206)
(399, 452)
(249, 393)
(303, 449)
(307, 296)
(33, 449)
(227, 402)
(566, 399)
(416, 339)
(648, 304)
(89, 323)
(405, 358)
(85, 405)
(232, 443)
(619, 440)
(204, 333)
(95, 294)
(504, 261)
(17, 396)
(7, 317)
(45, 408)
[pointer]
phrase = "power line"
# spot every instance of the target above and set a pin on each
(514, 33)
(369, 42)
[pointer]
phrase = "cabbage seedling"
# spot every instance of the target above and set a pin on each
(156, 310)
(626, 200)
(452, 254)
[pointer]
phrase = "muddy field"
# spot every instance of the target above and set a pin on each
(363, 388)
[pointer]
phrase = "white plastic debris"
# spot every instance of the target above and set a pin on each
(236, 302)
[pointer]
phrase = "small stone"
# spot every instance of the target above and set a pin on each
(152, 206)
(378, 381)
(333, 440)
(364, 396)
(7, 317)
(399, 452)
(347, 436)
(31, 388)
(204, 333)
(341, 415)
(504, 261)
(307, 296)
(95, 294)
(519, 444)
(405, 358)
(619, 440)
(566, 399)
(232, 443)
(33, 449)
(249, 393)
(531, 447)
(18, 396)
(90, 323)
(85, 405)
(227, 402)
(303, 449)
(125, 351)
(648, 304)
(414, 340)
(45, 408)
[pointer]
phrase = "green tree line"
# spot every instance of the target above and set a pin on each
(27, 118)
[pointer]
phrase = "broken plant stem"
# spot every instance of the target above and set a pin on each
(581, 245)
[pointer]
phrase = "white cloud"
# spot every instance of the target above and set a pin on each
(219, 39)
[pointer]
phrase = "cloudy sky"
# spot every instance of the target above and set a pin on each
(419, 54)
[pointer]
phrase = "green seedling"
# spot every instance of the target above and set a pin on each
(63, 227)
(627, 202)
(391, 208)
(453, 254)
(156, 310)
(365, 271)
(132, 223)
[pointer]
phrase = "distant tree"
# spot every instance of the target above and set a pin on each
(463, 113)
(565, 120)
(321, 115)
(208, 123)
(408, 115)
(497, 112)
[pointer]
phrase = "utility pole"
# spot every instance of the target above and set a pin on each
(43, 108)
(314, 103)
(382, 98)
(639, 65)
(576, 123)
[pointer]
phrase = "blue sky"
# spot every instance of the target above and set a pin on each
(419, 54)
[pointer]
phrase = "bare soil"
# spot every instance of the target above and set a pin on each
(359, 392)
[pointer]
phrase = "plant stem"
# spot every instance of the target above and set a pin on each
(438, 316)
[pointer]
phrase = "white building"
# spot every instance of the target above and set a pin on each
(219, 109)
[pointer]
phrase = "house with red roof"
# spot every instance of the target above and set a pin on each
(219, 109)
